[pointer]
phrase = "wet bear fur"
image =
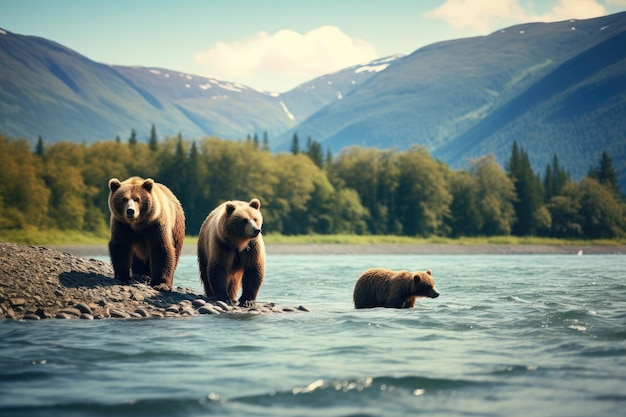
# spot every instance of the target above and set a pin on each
(381, 287)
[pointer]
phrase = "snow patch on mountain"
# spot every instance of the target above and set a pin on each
(286, 110)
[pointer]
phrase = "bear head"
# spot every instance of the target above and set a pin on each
(242, 222)
(424, 285)
(131, 201)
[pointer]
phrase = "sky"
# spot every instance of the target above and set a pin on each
(272, 45)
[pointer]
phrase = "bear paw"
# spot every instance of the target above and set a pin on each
(163, 287)
(248, 304)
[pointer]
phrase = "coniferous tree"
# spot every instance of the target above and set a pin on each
(528, 190)
(266, 141)
(295, 144)
(132, 140)
(329, 157)
(314, 151)
(255, 141)
(40, 150)
(605, 173)
(554, 179)
(154, 142)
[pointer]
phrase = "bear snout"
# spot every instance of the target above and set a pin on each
(433, 293)
(256, 231)
(131, 210)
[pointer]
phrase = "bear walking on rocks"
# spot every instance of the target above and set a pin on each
(381, 287)
(231, 252)
(147, 231)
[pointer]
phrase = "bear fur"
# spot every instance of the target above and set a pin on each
(381, 287)
(147, 231)
(231, 252)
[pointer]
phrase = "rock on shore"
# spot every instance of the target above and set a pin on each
(40, 283)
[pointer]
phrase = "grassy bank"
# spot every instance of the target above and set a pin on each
(408, 240)
(57, 237)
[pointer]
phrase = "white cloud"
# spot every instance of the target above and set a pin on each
(479, 15)
(484, 16)
(574, 9)
(290, 58)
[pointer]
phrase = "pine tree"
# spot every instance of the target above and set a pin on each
(605, 174)
(154, 142)
(554, 179)
(266, 141)
(295, 144)
(528, 189)
(40, 150)
(132, 140)
(329, 157)
(314, 152)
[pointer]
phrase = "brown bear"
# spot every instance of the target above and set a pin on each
(381, 287)
(147, 231)
(231, 252)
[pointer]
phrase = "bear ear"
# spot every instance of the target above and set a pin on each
(255, 203)
(147, 184)
(230, 207)
(429, 272)
(417, 277)
(114, 184)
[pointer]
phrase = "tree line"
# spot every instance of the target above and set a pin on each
(359, 191)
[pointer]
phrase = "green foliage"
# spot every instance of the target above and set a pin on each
(496, 194)
(362, 191)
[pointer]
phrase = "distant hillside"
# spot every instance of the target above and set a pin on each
(556, 87)
(49, 90)
(552, 87)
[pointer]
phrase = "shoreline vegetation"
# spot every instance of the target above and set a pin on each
(84, 244)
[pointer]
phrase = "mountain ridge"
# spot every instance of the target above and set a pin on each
(552, 87)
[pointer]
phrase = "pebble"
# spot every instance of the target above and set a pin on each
(119, 314)
(84, 308)
(71, 311)
(17, 302)
(208, 309)
(223, 305)
(174, 308)
(31, 316)
(198, 302)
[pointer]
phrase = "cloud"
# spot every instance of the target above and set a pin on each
(287, 57)
(484, 16)
(574, 9)
(479, 15)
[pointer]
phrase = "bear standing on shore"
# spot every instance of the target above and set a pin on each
(381, 287)
(231, 252)
(147, 231)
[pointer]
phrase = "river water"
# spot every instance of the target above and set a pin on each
(510, 335)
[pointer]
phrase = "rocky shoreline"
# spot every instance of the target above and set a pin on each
(41, 283)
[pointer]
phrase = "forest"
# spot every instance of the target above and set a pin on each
(359, 191)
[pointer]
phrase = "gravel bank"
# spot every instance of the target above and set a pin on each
(40, 283)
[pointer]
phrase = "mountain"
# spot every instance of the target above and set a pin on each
(552, 87)
(49, 90)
